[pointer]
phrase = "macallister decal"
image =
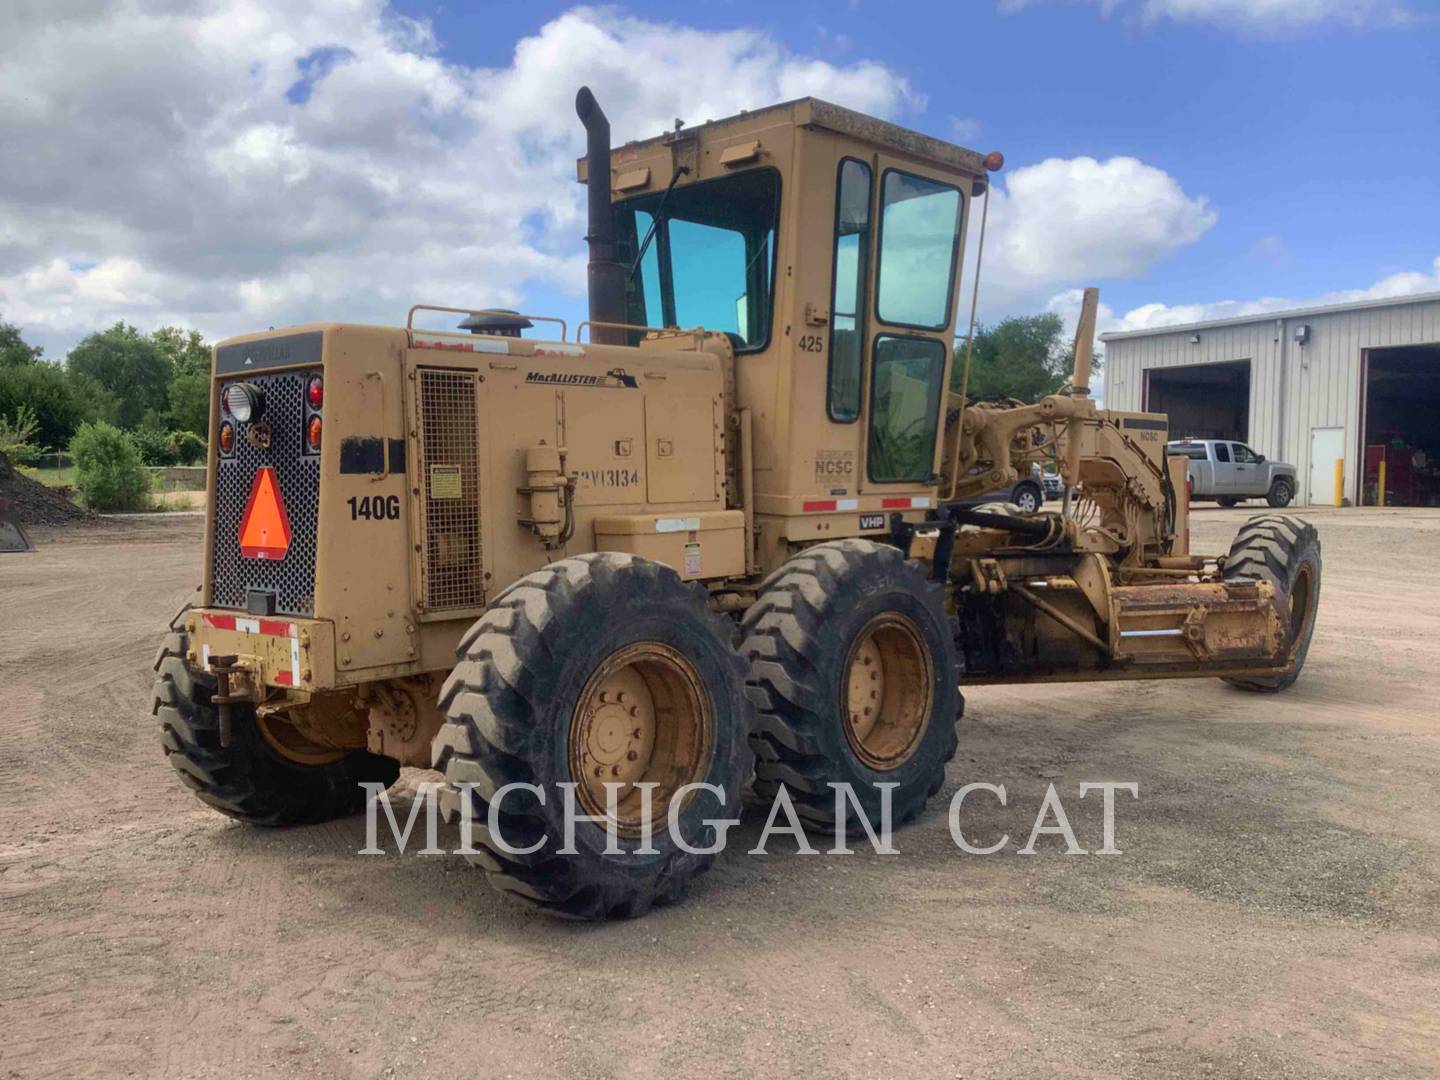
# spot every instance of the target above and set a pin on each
(615, 378)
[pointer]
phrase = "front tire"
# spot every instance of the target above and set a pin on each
(855, 677)
(250, 779)
(1281, 492)
(605, 668)
(1284, 551)
(1028, 497)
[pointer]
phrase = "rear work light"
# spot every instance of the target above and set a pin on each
(244, 401)
(312, 433)
(315, 393)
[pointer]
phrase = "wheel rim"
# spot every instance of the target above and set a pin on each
(1027, 502)
(288, 741)
(888, 692)
(1299, 604)
(642, 718)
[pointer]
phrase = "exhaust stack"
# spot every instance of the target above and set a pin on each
(606, 276)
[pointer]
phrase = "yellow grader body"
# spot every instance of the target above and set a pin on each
(659, 547)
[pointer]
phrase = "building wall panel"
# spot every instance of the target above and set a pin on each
(1293, 388)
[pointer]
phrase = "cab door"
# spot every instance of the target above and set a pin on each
(1224, 466)
(1247, 477)
(919, 231)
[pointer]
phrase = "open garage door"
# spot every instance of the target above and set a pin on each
(1203, 401)
(1402, 435)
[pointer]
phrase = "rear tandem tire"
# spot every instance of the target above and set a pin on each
(1284, 551)
(249, 780)
(528, 704)
(803, 638)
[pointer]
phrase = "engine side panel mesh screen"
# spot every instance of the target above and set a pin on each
(292, 578)
(449, 460)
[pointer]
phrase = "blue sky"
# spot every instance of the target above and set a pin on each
(1317, 145)
(281, 161)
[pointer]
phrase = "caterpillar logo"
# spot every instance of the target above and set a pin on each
(615, 378)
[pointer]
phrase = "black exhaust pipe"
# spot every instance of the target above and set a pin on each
(606, 276)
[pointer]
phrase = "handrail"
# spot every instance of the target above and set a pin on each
(670, 330)
(410, 318)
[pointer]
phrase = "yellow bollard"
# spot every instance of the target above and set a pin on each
(1339, 479)
(1380, 501)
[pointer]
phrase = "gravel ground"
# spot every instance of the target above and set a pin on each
(1274, 913)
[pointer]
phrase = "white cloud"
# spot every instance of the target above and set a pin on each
(229, 164)
(1071, 220)
(1148, 316)
(1265, 16)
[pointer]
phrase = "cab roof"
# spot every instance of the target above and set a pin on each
(815, 113)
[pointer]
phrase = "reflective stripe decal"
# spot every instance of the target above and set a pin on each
(242, 624)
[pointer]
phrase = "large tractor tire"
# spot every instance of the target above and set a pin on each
(263, 777)
(1284, 551)
(605, 668)
(855, 677)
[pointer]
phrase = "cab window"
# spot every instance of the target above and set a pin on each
(704, 255)
(905, 392)
(919, 243)
(1222, 452)
(1245, 456)
(847, 294)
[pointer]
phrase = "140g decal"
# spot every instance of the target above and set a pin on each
(375, 508)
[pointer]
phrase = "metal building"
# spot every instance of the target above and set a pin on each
(1357, 383)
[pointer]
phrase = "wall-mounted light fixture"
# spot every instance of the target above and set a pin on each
(1302, 334)
(1194, 339)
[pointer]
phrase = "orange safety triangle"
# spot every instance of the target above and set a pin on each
(265, 528)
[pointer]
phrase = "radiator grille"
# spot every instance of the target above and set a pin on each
(449, 460)
(292, 578)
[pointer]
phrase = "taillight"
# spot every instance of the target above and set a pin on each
(312, 433)
(227, 438)
(315, 393)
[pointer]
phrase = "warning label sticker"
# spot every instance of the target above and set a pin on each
(445, 482)
(692, 560)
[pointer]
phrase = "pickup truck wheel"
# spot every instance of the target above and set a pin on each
(1027, 497)
(1284, 551)
(1227, 501)
(1281, 492)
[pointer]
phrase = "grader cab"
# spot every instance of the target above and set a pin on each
(720, 528)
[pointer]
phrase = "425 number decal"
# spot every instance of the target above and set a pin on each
(811, 343)
(375, 508)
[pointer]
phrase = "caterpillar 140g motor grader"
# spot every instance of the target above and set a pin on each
(718, 528)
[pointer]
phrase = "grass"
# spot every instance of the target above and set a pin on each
(52, 476)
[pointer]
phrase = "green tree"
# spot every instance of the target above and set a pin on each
(129, 365)
(1023, 357)
(14, 352)
(61, 400)
(190, 404)
(188, 353)
(108, 471)
(17, 437)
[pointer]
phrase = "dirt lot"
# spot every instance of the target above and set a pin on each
(1275, 911)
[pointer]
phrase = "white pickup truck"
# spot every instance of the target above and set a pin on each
(1230, 472)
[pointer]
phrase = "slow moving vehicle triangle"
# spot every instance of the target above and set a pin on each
(265, 528)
